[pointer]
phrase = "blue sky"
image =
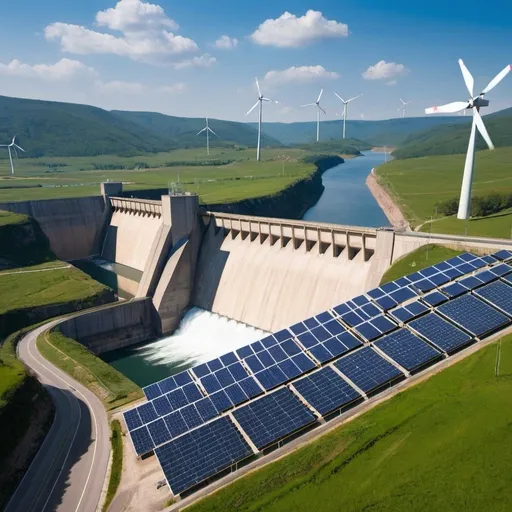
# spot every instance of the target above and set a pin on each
(168, 56)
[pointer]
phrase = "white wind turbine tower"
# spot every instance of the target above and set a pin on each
(12, 145)
(208, 130)
(474, 103)
(318, 110)
(260, 101)
(402, 108)
(345, 108)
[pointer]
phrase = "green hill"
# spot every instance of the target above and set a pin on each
(48, 128)
(340, 146)
(453, 138)
(183, 130)
(390, 132)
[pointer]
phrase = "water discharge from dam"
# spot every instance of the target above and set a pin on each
(204, 335)
(201, 336)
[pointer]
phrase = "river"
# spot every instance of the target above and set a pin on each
(203, 335)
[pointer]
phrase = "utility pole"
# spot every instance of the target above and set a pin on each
(498, 359)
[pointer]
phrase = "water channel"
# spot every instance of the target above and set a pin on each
(203, 335)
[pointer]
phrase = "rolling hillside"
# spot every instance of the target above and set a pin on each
(390, 132)
(183, 130)
(453, 138)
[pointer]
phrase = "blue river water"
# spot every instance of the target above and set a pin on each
(346, 199)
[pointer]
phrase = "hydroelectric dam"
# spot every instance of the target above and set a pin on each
(175, 257)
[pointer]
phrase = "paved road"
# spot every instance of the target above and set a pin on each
(69, 470)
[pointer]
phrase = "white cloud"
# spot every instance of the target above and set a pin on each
(174, 88)
(290, 31)
(226, 43)
(144, 34)
(64, 69)
(385, 71)
(203, 61)
(300, 74)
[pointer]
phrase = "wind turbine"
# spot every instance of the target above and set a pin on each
(403, 106)
(474, 103)
(260, 101)
(208, 130)
(345, 108)
(318, 110)
(12, 145)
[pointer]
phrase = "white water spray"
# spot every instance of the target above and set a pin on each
(201, 336)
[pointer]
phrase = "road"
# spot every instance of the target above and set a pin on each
(69, 470)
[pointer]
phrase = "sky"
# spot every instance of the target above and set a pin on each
(200, 58)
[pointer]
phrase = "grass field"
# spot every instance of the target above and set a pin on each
(116, 444)
(440, 445)
(418, 184)
(239, 176)
(420, 258)
(109, 385)
(32, 289)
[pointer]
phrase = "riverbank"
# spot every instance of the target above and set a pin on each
(392, 211)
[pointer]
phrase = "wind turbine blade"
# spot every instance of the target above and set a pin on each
(403, 102)
(268, 99)
(210, 130)
(481, 128)
(309, 105)
(339, 97)
(322, 109)
(13, 140)
(15, 152)
(449, 108)
(258, 86)
(354, 98)
(19, 147)
(253, 107)
(320, 95)
(497, 79)
(201, 131)
(468, 77)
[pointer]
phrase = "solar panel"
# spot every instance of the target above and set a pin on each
(367, 369)
(326, 391)
(471, 282)
(201, 454)
(434, 298)
(407, 350)
(409, 311)
(486, 276)
(502, 255)
(440, 332)
(508, 279)
(454, 290)
(132, 419)
(159, 432)
(141, 440)
(501, 270)
(473, 315)
(498, 294)
(273, 417)
(152, 391)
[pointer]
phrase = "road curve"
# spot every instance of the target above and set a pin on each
(69, 470)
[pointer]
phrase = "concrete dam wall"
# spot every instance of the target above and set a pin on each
(271, 273)
(73, 226)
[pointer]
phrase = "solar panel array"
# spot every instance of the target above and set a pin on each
(203, 420)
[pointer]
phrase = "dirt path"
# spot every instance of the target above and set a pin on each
(384, 200)
(32, 271)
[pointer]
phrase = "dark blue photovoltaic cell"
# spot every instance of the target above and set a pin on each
(257, 347)
(268, 342)
(224, 377)
(182, 378)
(192, 392)
(303, 362)
(236, 394)
(440, 332)
(402, 295)
(238, 371)
(206, 409)
(367, 369)
(374, 294)
(434, 298)
(498, 294)
(401, 314)
(439, 279)
(349, 340)
(368, 331)
(465, 268)
(266, 359)
(132, 419)
(320, 333)
(147, 412)
(407, 350)
(508, 279)
(453, 273)
(290, 347)
(307, 339)
(454, 290)
(273, 417)
(158, 431)
(324, 317)
(311, 323)
(486, 276)
(142, 441)
(386, 302)
(470, 282)
(191, 416)
(473, 315)
(162, 406)
(341, 309)
(425, 285)
(390, 287)
(383, 324)
(290, 369)
(221, 401)
(501, 270)
(168, 385)
(416, 276)
(334, 327)
(335, 347)
(352, 319)
(298, 328)
(229, 358)
(321, 354)
(244, 352)
(201, 454)
(502, 255)
(201, 370)
(428, 271)
(214, 365)
(250, 387)
(326, 391)
(489, 260)
(211, 383)
(360, 300)
(152, 391)
(175, 424)
(278, 354)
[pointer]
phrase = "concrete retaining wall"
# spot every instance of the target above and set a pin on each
(71, 225)
(115, 326)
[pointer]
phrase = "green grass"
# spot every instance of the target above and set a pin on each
(109, 385)
(32, 289)
(12, 371)
(498, 225)
(420, 258)
(116, 443)
(7, 218)
(441, 445)
(418, 184)
(241, 179)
